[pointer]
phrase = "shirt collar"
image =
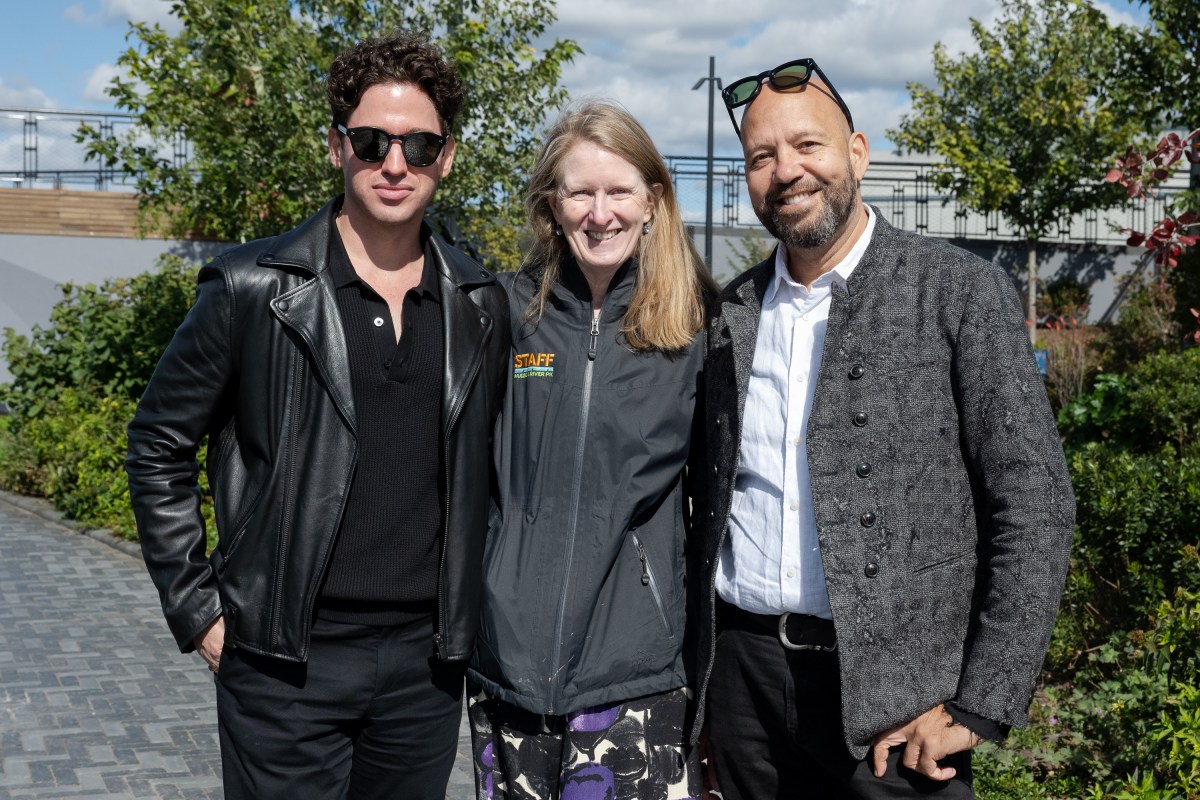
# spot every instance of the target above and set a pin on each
(343, 272)
(839, 274)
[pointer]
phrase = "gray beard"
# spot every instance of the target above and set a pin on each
(840, 199)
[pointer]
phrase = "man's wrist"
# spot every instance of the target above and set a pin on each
(984, 728)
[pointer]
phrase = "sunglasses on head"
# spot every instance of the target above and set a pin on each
(791, 75)
(420, 148)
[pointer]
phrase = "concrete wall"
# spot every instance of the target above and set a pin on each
(32, 268)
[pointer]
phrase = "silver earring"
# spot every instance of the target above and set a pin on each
(558, 230)
(645, 229)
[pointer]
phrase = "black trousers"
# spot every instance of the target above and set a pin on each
(371, 715)
(775, 730)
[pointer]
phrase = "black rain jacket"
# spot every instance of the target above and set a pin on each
(583, 597)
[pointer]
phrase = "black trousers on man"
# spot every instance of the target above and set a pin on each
(371, 715)
(775, 729)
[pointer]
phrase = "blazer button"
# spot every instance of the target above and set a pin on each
(283, 305)
(863, 470)
(483, 320)
(857, 372)
(860, 419)
(871, 569)
(867, 519)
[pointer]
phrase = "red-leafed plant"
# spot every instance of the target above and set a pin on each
(1140, 172)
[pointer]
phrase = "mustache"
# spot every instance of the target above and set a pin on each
(799, 184)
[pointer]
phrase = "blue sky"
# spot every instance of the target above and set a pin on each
(60, 53)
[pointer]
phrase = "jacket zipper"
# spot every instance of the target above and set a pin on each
(286, 518)
(577, 482)
(648, 580)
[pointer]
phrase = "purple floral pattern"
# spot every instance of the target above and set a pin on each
(627, 751)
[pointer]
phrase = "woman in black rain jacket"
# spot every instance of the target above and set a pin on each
(578, 675)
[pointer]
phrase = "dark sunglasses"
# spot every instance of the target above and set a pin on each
(791, 75)
(420, 148)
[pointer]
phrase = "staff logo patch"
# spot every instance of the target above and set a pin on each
(533, 365)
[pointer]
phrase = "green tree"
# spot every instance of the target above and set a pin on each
(233, 117)
(1022, 123)
(1168, 58)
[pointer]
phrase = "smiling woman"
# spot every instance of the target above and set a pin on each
(599, 197)
(578, 676)
(603, 208)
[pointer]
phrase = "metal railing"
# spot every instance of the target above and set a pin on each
(38, 149)
(905, 192)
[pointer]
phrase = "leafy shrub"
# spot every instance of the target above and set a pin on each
(74, 389)
(73, 453)
(1148, 324)
(1125, 727)
(1156, 403)
(1184, 282)
(1137, 705)
(1135, 514)
(105, 340)
(1072, 361)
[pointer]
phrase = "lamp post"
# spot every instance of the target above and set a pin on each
(714, 83)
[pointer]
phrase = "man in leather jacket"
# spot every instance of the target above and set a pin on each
(347, 374)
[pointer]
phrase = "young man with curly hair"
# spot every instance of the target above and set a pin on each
(347, 374)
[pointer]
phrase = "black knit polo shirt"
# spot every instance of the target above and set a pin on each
(385, 561)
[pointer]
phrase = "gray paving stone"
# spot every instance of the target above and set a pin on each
(95, 699)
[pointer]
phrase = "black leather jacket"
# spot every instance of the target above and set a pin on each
(260, 366)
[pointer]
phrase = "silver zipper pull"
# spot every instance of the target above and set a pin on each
(595, 337)
(645, 568)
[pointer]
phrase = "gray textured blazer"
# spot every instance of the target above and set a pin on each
(945, 557)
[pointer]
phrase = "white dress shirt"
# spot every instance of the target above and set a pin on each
(771, 562)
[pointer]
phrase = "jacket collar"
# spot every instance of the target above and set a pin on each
(310, 308)
(572, 292)
(306, 247)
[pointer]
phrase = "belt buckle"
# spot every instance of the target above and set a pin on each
(788, 644)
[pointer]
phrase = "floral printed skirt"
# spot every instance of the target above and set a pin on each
(633, 750)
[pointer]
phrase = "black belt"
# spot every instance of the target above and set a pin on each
(794, 631)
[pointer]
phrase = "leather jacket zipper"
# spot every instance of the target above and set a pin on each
(648, 580)
(286, 518)
(577, 484)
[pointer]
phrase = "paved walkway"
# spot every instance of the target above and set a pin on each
(95, 699)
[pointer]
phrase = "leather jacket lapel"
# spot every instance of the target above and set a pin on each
(311, 311)
(467, 328)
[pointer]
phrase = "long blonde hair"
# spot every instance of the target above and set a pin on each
(668, 305)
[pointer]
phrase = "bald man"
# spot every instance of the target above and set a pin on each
(887, 517)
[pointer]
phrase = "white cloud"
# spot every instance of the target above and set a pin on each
(141, 11)
(78, 15)
(18, 92)
(120, 12)
(648, 55)
(1121, 16)
(98, 81)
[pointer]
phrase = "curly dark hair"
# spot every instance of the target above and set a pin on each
(400, 57)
